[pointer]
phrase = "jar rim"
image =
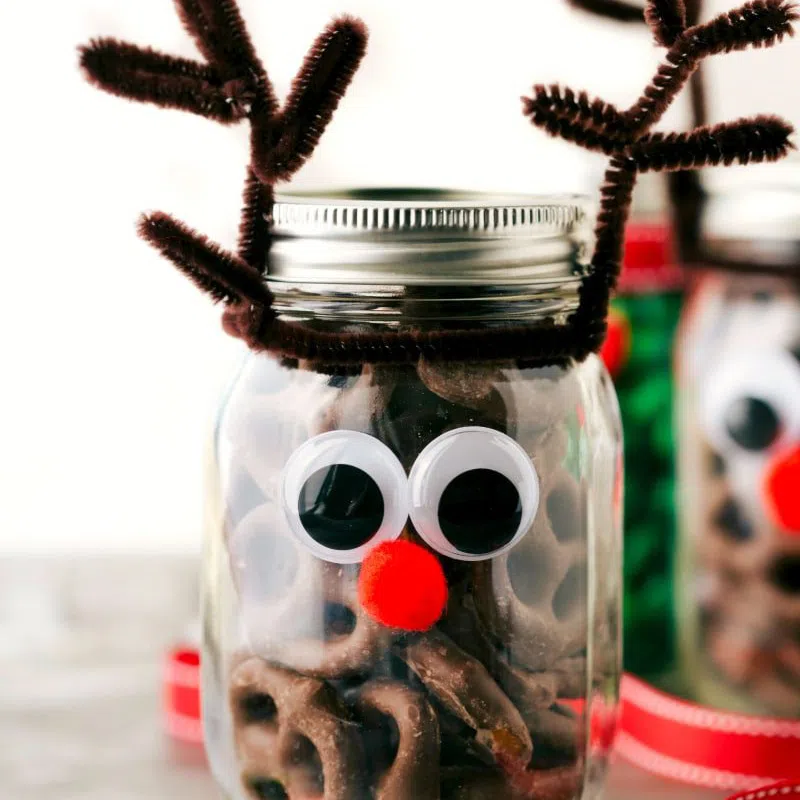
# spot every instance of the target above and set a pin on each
(383, 211)
(391, 236)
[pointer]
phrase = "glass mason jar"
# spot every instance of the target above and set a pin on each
(412, 573)
(738, 364)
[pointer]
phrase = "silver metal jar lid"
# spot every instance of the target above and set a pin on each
(752, 214)
(427, 237)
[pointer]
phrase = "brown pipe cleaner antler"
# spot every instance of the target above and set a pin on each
(232, 86)
(626, 137)
(685, 189)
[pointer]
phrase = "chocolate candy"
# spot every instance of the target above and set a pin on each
(414, 769)
(463, 685)
(468, 385)
(474, 784)
(293, 735)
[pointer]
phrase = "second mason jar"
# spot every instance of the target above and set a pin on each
(739, 375)
(413, 571)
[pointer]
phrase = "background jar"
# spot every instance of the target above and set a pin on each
(638, 353)
(484, 660)
(738, 364)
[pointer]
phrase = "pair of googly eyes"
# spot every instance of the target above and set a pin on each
(752, 402)
(471, 494)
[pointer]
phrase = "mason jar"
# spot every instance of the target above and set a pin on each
(738, 365)
(413, 570)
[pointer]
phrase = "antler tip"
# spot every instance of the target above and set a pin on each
(316, 92)
(152, 224)
(667, 20)
(352, 29)
(90, 55)
(353, 24)
(758, 23)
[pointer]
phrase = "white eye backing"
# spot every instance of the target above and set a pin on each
(770, 376)
(455, 454)
(382, 470)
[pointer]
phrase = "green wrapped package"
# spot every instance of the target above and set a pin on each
(638, 353)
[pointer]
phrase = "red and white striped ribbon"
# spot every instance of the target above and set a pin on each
(182, 717)
(707, 747)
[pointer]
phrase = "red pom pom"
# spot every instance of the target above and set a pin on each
(617, 346)
(402, 585)
(782, 489)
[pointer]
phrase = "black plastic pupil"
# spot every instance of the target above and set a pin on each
(752, 423)
(480, 511)
(786, 574)
(266, 789)
(341, 507)
(733, 522)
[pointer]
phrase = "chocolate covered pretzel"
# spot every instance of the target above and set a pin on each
(750, 617)
(543, 615)
(465, 384)
(413, 768)
(566, 679)
(293, 736)
(553, 730)
(464, 686)
(299, 611)
(469, 783)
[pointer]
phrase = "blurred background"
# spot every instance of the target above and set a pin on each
(113, 362)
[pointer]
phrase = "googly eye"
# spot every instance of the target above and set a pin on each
(474, 492)
(343, 492)
(752, 402)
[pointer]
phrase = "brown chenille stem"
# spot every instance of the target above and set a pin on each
(256, 221)
(667, 20)
(148, 76)
(220, 34)
(633, 149)
(578, 131)
(756, 24)
(762, 138)
(670, 78)
(684, 187)
(316, 92)
(222, 275)
(231, 86)
(694, 9)
(615, 202)
(578, 110)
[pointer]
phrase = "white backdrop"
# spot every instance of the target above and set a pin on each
(113, 363)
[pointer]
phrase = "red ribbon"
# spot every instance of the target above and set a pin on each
(182, 715)
(679, 740)
(785, 789)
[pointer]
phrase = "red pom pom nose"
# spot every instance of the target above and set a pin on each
(402, 585)
(782, 490)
